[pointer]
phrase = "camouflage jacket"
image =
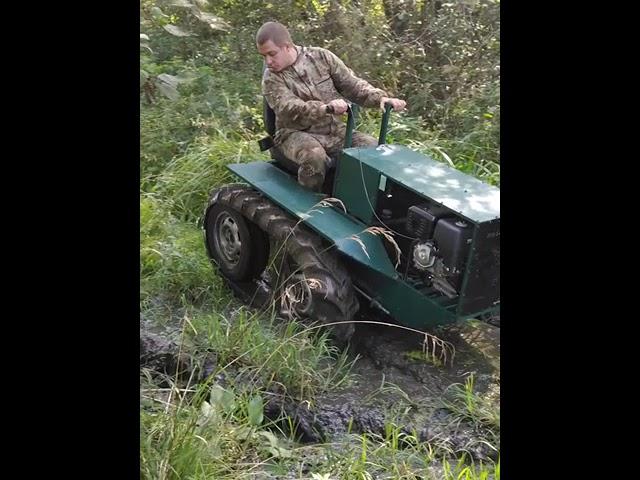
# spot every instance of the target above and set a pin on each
(298, 93)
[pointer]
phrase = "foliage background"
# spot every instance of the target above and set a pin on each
(442, 57)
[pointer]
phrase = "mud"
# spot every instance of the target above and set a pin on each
(393, 383)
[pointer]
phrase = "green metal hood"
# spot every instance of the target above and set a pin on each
(462, 193)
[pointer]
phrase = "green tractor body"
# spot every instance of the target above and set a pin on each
(419, 239)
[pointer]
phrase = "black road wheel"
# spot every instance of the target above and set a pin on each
(312, 283)
(239, 247)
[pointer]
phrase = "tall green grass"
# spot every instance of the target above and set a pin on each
(265, 350)
(482, 412)
(467, 404)
(187, 180)
(173, 263)
(218, 430)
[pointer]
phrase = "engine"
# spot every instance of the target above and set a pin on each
(441, 246)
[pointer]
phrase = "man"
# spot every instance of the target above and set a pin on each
(299, 85)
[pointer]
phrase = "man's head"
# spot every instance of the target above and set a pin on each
(275, 45)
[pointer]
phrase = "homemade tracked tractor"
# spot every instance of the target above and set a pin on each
(408, 235)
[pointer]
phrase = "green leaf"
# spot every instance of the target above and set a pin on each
(222, 399)
(144, 39)
(157, 13)
(274, 448)
(167, 86)
(181, 3)
(177, 31)
(284, 453)
(324, 476)
(169, 79)
(256, 411)
(244, 433)
(273, 451)
(168, 91)
(207, 413)
(215, 23)
(186, 77)
(450, 69)
(270, 437)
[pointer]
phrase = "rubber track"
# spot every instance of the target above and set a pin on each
(304, 246)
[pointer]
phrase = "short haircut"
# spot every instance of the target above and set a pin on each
(274, 31)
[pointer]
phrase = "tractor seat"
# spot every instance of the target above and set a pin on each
(282, 161)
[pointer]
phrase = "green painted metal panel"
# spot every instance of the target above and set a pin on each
(406, 305)
(356, 185)
(462, 193)
(329, 222)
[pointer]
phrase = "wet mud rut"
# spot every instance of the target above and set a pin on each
(393, 381)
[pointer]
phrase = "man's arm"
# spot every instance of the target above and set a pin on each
(354, 88)
(290, 107)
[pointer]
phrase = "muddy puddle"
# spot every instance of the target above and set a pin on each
(392, 381)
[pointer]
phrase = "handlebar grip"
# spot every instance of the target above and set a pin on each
(330, 109)
(384, 126)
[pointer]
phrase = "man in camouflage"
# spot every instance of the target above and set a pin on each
(299, 84)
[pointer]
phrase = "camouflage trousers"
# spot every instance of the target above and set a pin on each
(310, 151)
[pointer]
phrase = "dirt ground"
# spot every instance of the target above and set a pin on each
(393, 381)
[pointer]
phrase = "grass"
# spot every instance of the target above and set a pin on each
(213, 432)
(173, 263)
(197, 438)
(482, 412)
(187, 180)
(216, 429)
(299, 361)
(467, 404)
